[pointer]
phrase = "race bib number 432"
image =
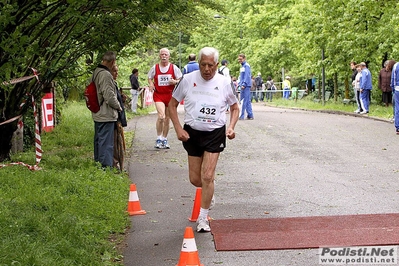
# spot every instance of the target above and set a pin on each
(206, 113)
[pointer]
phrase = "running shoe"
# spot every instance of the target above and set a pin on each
(165, 144)
(158, 144)
(364, 112)
(203, 225)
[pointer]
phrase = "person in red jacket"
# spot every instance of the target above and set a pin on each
(162, 79)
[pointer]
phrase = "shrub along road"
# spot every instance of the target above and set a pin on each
(284, 163)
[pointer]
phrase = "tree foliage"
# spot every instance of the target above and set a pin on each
(291, 34)
(56, 37)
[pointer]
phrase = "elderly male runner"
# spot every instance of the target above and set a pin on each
(162, 79)
(206, 96)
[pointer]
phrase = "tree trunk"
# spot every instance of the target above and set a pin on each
(6, 134)
(335, 86)
(319, 89)
(17, 141)
(346, 88)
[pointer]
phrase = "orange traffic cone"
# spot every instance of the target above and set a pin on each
(197, 205)
(133, 207)
(189, 253)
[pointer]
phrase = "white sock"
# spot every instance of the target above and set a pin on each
(203, 213)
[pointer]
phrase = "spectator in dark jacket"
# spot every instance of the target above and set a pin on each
(119, 139)
(384, 82)
(254, 95)
(259, 92)
(135, 90)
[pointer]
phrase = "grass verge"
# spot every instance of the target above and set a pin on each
(69, 213)
(307, 103)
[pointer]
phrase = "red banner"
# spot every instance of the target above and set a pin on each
(48, 112)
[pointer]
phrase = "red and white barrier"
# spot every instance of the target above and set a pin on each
(38, 141)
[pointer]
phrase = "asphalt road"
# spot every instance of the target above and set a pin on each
(284, 163)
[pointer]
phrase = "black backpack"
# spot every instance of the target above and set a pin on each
(258, 81)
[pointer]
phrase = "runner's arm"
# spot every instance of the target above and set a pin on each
(234, 112)
(182, 135)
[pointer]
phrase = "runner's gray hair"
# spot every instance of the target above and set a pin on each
(164, 49)
(109, 56)
(209, 51)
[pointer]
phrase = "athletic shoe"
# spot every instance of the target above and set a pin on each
(364, 112)
(212, 202)
(357, 111)
(397, 131)
(203, 225)
(158, 144)
(165, 144)
(250, 118)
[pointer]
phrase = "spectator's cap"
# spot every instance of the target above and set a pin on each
(362, 64)
(258, 73)
(224, 61)
(287, 77)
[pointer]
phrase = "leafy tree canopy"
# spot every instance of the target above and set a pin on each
(291, 34)
(57, 37)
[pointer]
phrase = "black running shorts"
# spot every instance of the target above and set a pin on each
(200, 141)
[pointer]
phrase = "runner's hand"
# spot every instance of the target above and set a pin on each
(230, 133)
(182, 135)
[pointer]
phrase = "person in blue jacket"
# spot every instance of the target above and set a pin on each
(192, 64)
(365, 88)
(245, 85)
(395, 89)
